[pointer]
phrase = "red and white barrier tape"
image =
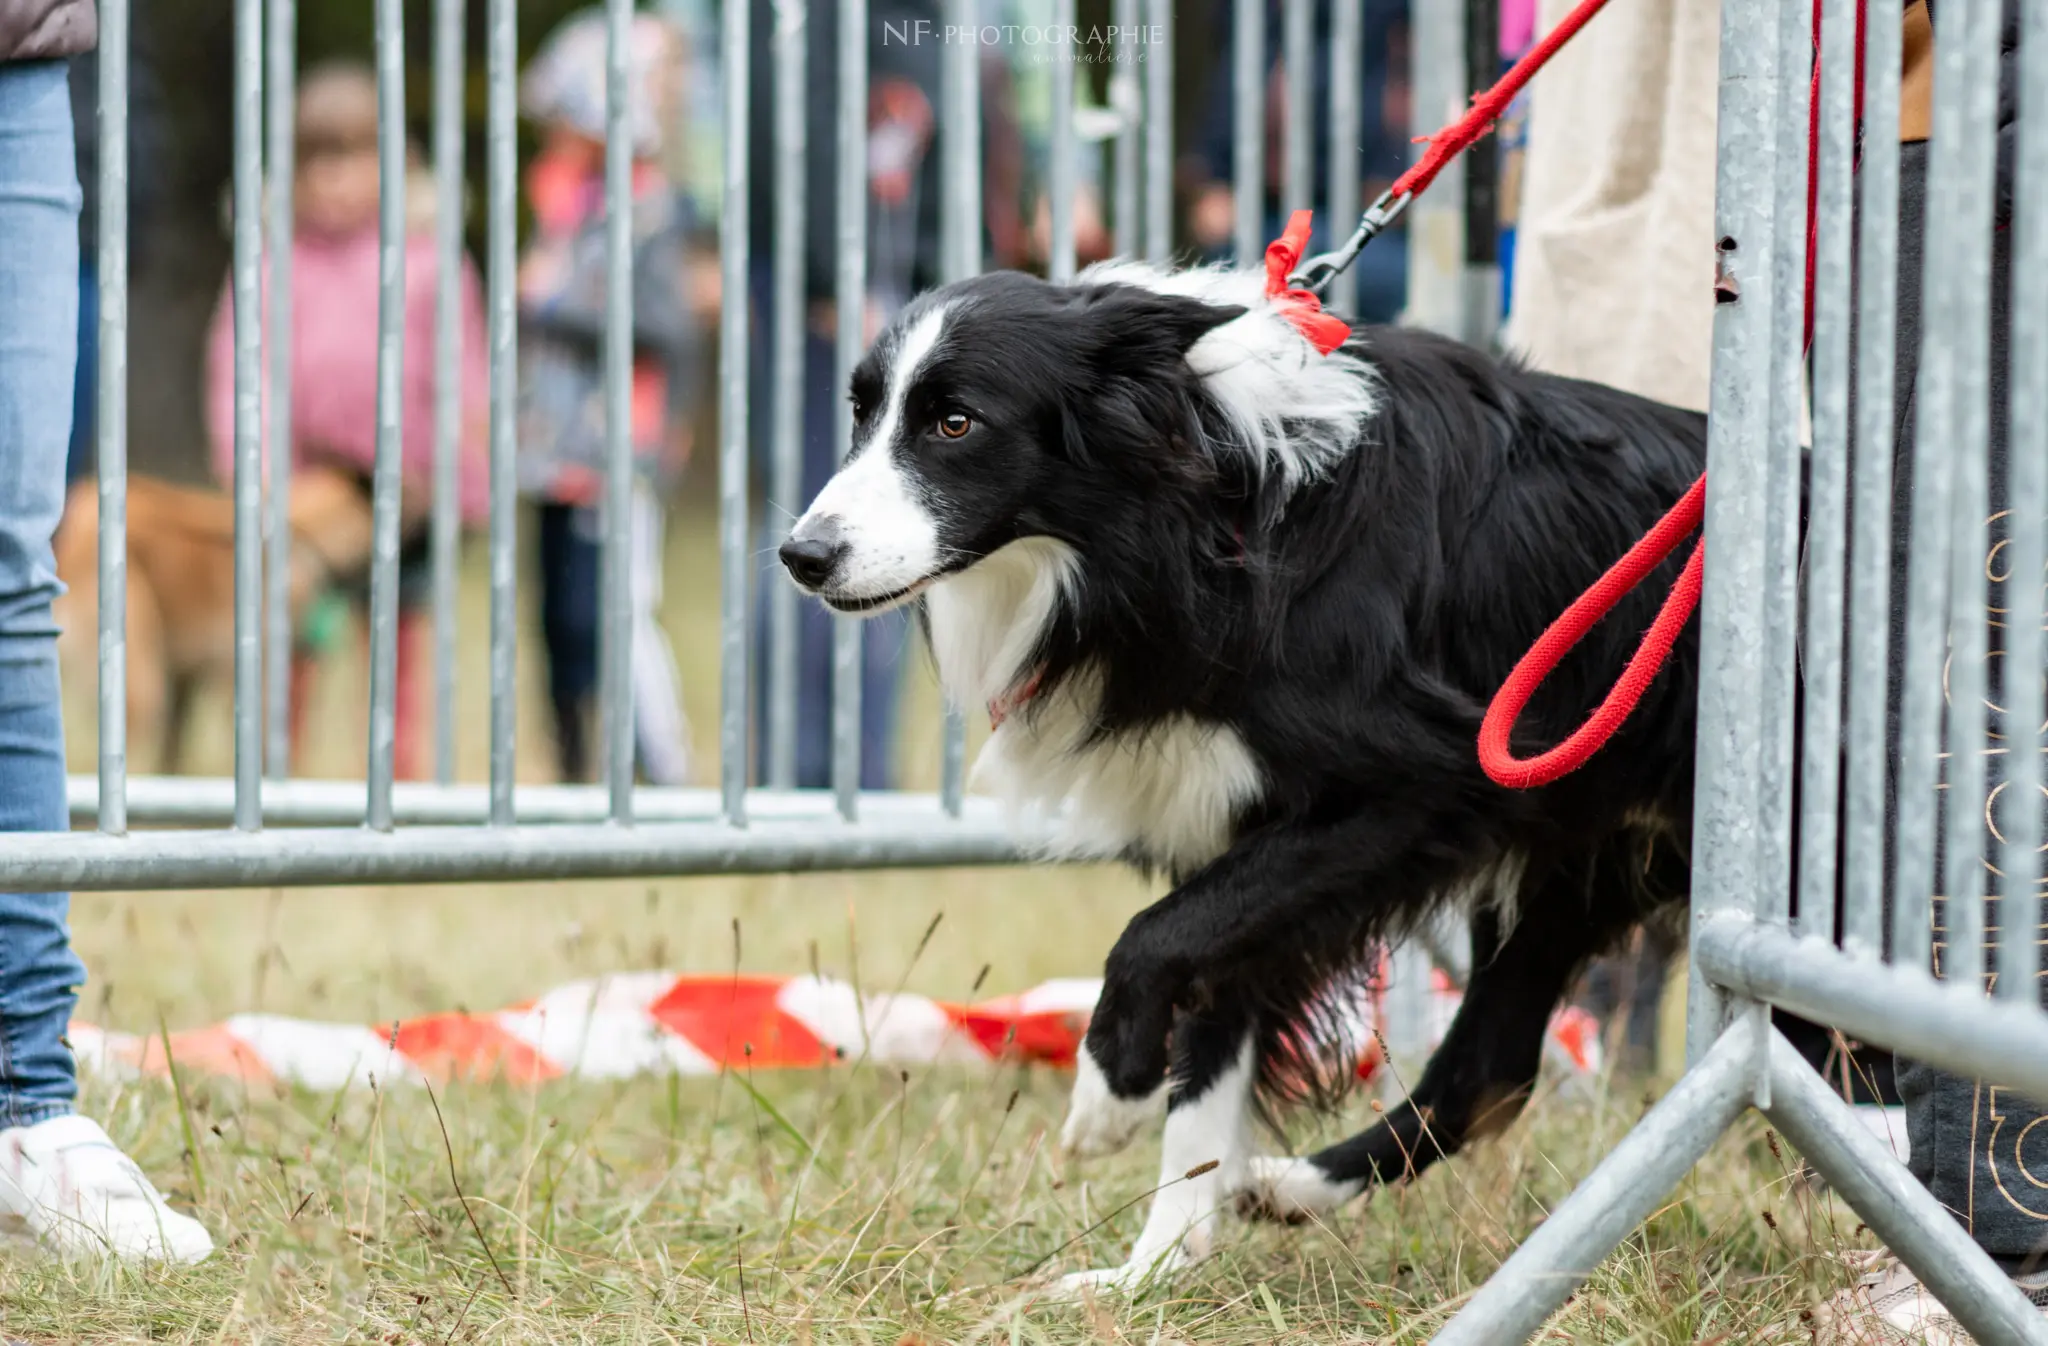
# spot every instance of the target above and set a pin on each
(657, 1022)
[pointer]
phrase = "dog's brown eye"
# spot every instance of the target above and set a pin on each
(954, 426)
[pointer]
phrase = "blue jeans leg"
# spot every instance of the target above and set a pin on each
(39, 200)
(85, 386)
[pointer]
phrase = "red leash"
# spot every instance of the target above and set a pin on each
(1446, 145)
(1496, 757)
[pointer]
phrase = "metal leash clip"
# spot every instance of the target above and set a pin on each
(1318, 271)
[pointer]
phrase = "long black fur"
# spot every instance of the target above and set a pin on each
(1350, 627)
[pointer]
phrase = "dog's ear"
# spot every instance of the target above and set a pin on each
(1130, 326)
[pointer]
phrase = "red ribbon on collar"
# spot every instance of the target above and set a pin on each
(1010, 702)
(1324, 331)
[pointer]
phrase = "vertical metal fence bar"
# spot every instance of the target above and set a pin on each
(615, 645)
(448, 428)
(1159, 130)
(1781, 510)
(111, 420)
(851, 291)
(1927, 568)
(1347, 32)
(1126, 95)
(1963, 878)
(960, 208)
(1063, 168)
(1738, 428)
(501, 144)
(388, 479)
(1827, 533)
(1248, 86)
(734, 562)
(280, 91)
(1869, 651)
(248, 254)
(1482, 183)
(1299, 136)
(786, 435)
(1436, 224)
(2026, 519)
(960, 216)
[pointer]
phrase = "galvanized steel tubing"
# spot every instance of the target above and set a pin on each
(1248, 139)
(1126, 99)
(851, 302)
(248, 429)
(1778, 705)
(280, 95)
(960, 220)
(388, 477)
(1158, 51)
(1297, 42)
(1725, 875)
(501, 190)
(734, 562)
(1347, 25)
(112, 421)
(1966, 442)
(1828, 518)
(615, 644)
(786, 435)
(448, 390)
(1866, 733)
(1063, 170)
(2020, 952)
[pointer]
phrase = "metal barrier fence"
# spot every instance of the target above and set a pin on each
(1866, 973)
(264, 827)
(1863, 965)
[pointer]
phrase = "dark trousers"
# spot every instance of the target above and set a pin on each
(1977, 1147)
(571, 556)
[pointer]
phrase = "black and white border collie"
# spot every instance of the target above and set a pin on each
(1237, 608)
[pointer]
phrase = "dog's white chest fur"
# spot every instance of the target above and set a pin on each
(1170, 794)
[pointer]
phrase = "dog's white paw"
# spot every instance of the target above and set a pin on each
(1098, 1122)
(1291, 1191)
(1126, 1281)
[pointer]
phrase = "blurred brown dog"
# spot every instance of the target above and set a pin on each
(181, 586)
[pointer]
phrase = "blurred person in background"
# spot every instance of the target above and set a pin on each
(146, 164)
(562, 307)
(334, 264)
(61, 1178)
(902, 258)
(1209, 170)
(1019, 75)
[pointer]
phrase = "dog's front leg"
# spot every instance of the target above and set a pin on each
(1203, 1156)
(1295, 888)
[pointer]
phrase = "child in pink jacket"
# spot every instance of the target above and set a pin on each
(334, 353)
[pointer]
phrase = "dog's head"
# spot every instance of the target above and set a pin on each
(993, 410)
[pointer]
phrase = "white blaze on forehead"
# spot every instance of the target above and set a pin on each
(910, 355)
(888, 529)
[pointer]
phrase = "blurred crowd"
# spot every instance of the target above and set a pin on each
(673, 117)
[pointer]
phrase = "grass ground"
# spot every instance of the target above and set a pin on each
(854, 1205)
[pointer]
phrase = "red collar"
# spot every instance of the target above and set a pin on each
(1324, 331)
(1012, 701)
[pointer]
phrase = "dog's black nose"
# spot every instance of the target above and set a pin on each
(811, 560)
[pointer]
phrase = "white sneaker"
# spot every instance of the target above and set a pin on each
(1890, 1305)
(75, 1191)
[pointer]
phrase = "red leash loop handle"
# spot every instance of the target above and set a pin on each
(1495, 755)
